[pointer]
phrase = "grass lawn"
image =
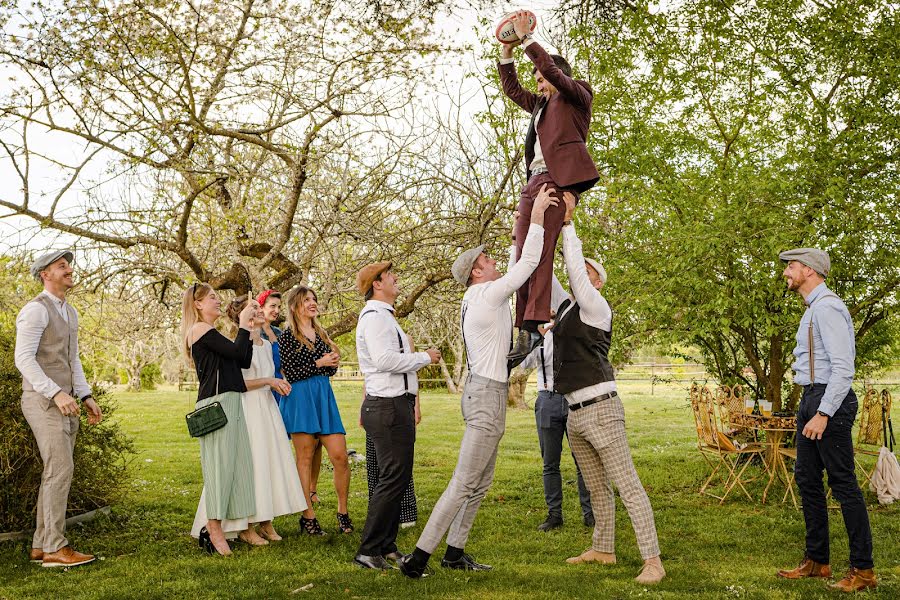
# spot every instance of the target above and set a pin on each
(710, 551)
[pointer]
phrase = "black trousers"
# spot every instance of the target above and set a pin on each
(833, 454)
(391, 424)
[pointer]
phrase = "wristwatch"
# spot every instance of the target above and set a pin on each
(569, 222)
(819, 412)
(526, 37)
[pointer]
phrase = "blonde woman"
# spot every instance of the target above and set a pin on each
(276, 483)
(310, 412)
(228, 490)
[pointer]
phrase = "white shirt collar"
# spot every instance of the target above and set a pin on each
(379, 304)
(56, 301)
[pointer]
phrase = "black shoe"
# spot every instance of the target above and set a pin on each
(206, 543)
(466, 563)
(395, 556)
(310, 526)
(526, 341)
(551, 522)
(411, 569)
(370, 562)
(345, 525)
(589, 521)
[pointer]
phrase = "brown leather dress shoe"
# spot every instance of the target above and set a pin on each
(592, 556)
(66, 557)
(36, 555)
(807, 568)
(856, 580)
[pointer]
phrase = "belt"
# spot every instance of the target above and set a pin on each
(539, 171)
(581, 405)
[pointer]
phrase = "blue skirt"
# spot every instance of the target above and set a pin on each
(311, 408)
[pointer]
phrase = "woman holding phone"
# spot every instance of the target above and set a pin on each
(310, 412)
(225, 457)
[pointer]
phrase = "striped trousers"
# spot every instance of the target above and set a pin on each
(598, 441)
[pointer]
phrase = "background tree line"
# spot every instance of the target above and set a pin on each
(264, 144)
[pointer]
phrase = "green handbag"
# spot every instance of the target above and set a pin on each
(207, 419)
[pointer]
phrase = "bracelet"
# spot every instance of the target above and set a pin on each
(526, 37)
(86, 397)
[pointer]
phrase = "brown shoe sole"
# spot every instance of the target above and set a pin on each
(68, 564)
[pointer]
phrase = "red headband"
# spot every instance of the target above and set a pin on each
(263, 296)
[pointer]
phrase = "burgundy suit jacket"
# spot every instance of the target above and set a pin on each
(563, 126)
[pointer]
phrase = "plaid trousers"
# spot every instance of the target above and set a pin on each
(598, 441)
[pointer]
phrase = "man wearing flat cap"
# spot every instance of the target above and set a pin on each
(486, 325)
(583, 373)
(389, 365)
(53, 383)
(825, 355)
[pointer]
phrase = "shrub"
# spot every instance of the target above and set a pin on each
(102, 452)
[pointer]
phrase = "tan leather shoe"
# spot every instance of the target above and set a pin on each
(856, 580)
(66, 557)
(36, 555)
(808, 568)
(590, 555)
(651, 573)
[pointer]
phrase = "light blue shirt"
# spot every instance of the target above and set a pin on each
(834, 344)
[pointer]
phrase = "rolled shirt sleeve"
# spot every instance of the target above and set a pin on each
(837, 337)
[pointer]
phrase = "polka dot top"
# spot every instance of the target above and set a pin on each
(298, 362)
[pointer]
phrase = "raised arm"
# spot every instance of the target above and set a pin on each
(510, 81)
(573, 91)
(500, 290)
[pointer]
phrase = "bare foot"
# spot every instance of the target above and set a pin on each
(251, 537)
(218, 538)
(268, 532)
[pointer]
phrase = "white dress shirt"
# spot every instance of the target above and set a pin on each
(485, 314)
(384, 353)
(595, 310)
(30, 325)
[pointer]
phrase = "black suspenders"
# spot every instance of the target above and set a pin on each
(402, 351)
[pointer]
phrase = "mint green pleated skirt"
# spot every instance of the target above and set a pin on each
(227, 463)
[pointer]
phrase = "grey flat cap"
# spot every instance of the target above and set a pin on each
(598, 266)
(815, 259)
(462, 266)
(45, 260)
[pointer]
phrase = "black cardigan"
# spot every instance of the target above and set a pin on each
(215, 354)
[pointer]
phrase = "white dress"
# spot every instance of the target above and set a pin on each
(275, 478)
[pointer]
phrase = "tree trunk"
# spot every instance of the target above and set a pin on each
(518, 381)
(776, 373)
(134, 377)
(448, 378)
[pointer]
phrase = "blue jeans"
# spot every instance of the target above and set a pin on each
(834, 455)
(551, 411)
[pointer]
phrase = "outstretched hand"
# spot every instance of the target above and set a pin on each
(544, 200)
(570, 201)
(521, 24)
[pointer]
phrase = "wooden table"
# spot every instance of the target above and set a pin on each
(777, 431)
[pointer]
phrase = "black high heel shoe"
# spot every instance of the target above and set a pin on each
(345, 525)
(310, 526)
(205, 542)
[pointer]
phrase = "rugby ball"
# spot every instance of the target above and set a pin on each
(506, 33)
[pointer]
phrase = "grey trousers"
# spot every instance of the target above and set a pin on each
(55, 436)
(597, 437)
(484, 412)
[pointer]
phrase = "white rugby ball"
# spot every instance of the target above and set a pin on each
(506, 33)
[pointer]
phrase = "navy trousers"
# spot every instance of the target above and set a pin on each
(832, 454)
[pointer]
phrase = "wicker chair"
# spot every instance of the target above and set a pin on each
(727, 460)
(872, 435)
